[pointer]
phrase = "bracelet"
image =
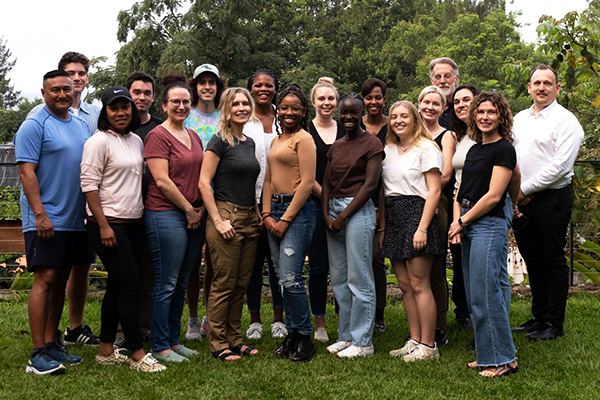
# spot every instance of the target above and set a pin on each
(265, 214)
(421, 230)
(380, 229)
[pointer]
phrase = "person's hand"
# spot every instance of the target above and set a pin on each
(419, 240)
(339, 224)
(279, 229)
(329, 223)
(516, 212)
(44, 226)
(225, 229)
(454, 230)
(200, 210)
(456, 239)
(108, 237)
(194, 218)
(524, 200)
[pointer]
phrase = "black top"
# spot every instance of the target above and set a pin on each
(448, 190)
(323, 148)
(142, 131)
(381, 135)
(236, 174)
(445, 119)
(477, 172)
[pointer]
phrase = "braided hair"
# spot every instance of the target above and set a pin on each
(353, 96)
(291, 89)
(268, 72)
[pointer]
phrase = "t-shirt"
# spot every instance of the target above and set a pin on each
(86, 111)
(236, 174)
(55, 145)
(323, 148)
(458, 160)
(142, 132)
(184, 167)
(205, 125)
(477, 172)
(348, 163)
(448, 190)
(404, 175)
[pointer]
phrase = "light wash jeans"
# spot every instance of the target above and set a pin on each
(484, 251)
(174, 251)
(351, 271)
(288, 256)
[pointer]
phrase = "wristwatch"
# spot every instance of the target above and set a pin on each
(462, 223)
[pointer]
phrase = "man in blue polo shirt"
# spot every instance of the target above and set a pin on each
(48, 150)
(77, 66)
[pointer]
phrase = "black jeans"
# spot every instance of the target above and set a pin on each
(542, 242)
(319, 265)
(121, 299)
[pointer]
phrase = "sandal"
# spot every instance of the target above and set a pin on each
(472, 365)
(502, 370)
(243, 349)
(224, 354)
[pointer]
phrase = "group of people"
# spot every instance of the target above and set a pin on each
(245, 175)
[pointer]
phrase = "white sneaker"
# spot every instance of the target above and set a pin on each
(278, 330)
(204, 328)
(255, 331)
(356, 351)
(408, 348)
(321, 334)
(338, 346)
(422, 352)
(147, 364)
(193, 329)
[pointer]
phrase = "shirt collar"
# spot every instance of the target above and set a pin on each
(545, 112)
(83, 107)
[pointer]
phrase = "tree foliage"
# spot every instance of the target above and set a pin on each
(9, 97)
(11, 119)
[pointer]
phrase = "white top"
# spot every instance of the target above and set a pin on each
(460, 155)
(404, 175)
(113, 165)
(547, 145)
(254, 129)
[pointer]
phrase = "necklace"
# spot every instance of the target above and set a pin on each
(405, 149)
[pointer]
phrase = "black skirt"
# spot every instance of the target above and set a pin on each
(402, 218)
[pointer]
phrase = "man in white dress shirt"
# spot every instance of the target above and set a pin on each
(547, 139)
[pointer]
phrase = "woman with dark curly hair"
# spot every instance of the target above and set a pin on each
(481, 224)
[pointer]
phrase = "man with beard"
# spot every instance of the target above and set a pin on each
(443, 73)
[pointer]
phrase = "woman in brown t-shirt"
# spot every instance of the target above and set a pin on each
(289, 215)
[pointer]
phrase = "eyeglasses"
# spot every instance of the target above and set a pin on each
(177, 102)
(446, 76)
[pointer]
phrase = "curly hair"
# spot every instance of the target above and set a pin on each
(269, 73)
(419, 133)
(458, 126)
(504, 116)
(291, 89)
(221, 86)
(225, 130)
(74, 57)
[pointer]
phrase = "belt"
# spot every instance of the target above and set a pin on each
(467, 203)
(282, 198)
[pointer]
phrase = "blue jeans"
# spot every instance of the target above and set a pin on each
(484, 253)
(174, 251)
(351, 271)
(288, 256)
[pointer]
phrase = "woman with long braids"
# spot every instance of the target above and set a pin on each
(289, 215)
(262, 128)
(350, 180)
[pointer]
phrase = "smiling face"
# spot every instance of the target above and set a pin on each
(79, 76)
(486, 118)
(374, 101)
(291, 112)
(462, 101)
(431, 106)
(263, 89)
(240, 109)
(402, 123)
(58, 95)
(119, 115)
(351, 111)
(325, 101)
(178, 104)
(543, 88)
(444, 77)
(142, 95)
(207, 87)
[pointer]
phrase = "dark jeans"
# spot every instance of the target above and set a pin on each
(380, 274)
(439, 284)
(319, 265)
(121, 299)
(459, 297)
(542, 242)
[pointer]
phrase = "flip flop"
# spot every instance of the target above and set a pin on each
(247, 350)
(224, 354)
(500, 371)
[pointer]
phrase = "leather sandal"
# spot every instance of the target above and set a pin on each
(224, 354)
(500, 371)
(243, 349)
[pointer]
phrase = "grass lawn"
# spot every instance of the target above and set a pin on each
(568, 368)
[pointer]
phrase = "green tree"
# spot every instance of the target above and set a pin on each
(11, 119)
(9, 97)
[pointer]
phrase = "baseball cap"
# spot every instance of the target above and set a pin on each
(206, 68)
(115, 92)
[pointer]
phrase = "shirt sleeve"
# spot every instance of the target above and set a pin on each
(375, 147)
(93, 161)
(568, 137)
(431, 158)
(506, 156)
(156, 145)
(216, 145)
(28, 142)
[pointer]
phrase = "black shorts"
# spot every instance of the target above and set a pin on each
(64, 249)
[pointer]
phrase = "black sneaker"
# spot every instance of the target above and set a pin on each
(464, 322)
(81, 335)
(546, 332)
(440, 337)
(380, 326)
(120, 343)
(530, 326)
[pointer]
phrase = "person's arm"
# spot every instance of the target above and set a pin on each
(31, 188)
(159, 168)
(449, 148)
(514, 190)
(364, 193)
(107, 235)
(499, 182)
(326, 189)
(455, 239)
(207, 173)
(316, 190)
(268, 220)
(433, 178)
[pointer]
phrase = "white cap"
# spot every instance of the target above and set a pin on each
(206, 68)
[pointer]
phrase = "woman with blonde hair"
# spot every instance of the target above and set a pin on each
(227, 184)
(412, 235)
(325, 131)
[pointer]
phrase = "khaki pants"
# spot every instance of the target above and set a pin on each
(232, 262)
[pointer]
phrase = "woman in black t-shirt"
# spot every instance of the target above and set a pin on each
(482, 226)
(231, 166)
